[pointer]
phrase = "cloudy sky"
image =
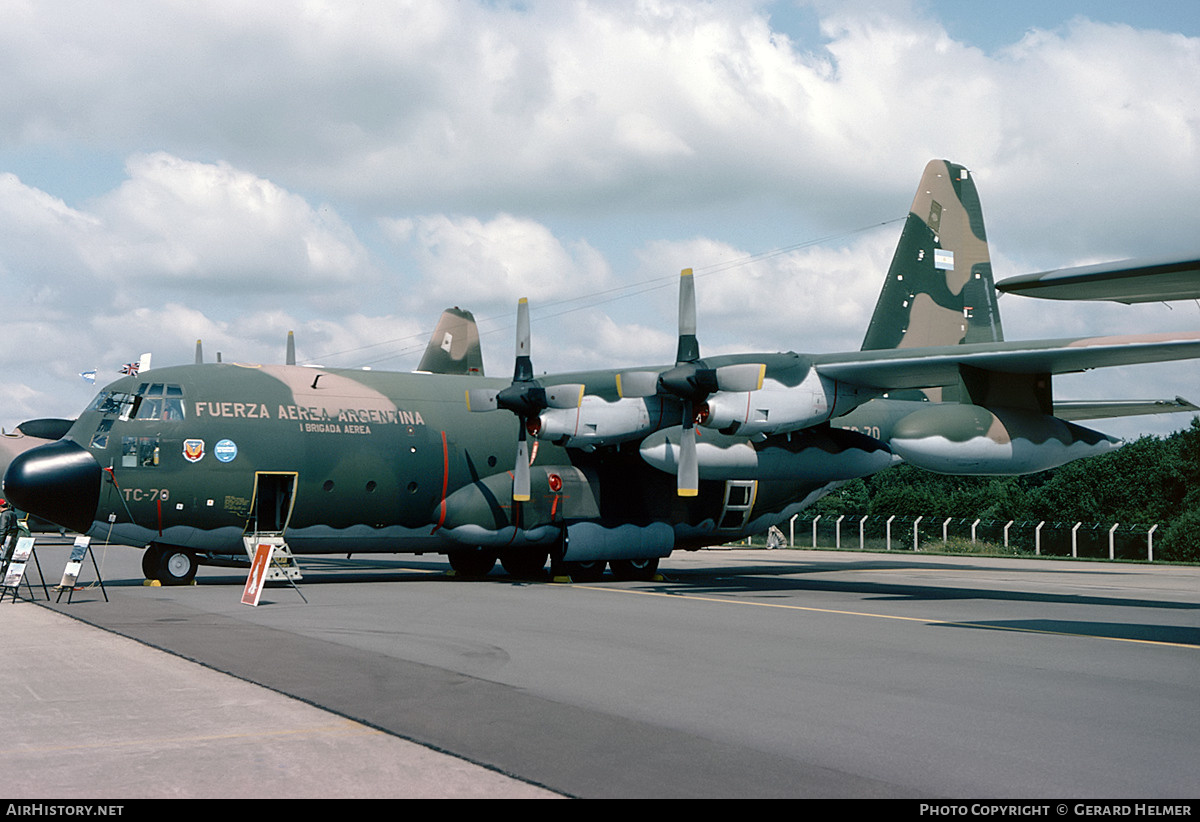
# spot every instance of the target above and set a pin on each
(227, 171)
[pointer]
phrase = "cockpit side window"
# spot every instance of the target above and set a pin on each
(100, 438)
(116, 403)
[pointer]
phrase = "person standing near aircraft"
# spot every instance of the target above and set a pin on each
(8, 529)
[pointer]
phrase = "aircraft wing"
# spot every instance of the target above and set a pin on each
(1107, 409)
(1127, 281)
(893, 369)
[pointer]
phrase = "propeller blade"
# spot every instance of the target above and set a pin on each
(745, 377)
(689, 346)
(482, 399)
(688, 477)
(568, 395)
(521, 467)
(637, 384)
(523, 372)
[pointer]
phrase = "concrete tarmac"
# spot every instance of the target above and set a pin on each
(93, 715)
(739, 674)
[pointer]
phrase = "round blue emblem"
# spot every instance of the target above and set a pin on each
(225, 450)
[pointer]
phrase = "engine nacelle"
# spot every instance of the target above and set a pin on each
(818, 455)
(778, 408)
(969, 439)
(599, 422)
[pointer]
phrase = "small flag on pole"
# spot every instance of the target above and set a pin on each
(130, 368)
(89, 376)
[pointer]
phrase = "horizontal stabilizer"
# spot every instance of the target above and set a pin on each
(1127, 281)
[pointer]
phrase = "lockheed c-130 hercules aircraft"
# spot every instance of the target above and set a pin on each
(597, 468)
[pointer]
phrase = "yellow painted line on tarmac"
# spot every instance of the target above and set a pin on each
(838, 612)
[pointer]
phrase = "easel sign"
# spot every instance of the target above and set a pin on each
(20, 558)
(75, 562)
(258, 572)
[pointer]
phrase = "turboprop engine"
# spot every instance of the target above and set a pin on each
(778, 408)
(599, 422)
(970, 439)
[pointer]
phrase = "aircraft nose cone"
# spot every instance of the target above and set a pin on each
(59, 482)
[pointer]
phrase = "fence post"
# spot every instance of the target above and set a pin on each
(916, 522)
(1111, 531)
(1150, 543)
(837, 530)
(1006, 527)
(792, 531)
(1074, 541)
(862, 543)
(946, 531)
(1037, 539)
(815, 521)
(889, 531)
(974, 525)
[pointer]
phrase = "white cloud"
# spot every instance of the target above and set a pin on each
(497, 261)
(475, 152)
(198, 225)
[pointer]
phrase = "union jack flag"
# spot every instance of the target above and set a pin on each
(130, 368)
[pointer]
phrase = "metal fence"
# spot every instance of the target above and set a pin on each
(1112, 540)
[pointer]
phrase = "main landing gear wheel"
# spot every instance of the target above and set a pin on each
(176, 566)
(524, 563)
(590, 571)
(150, 559)
(641, 570)
(470, 563)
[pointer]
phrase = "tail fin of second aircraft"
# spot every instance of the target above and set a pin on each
(454, 347)
(939, 288)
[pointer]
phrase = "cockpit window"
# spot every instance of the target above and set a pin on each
(159, 402)
(153, 401)
(100, 438)
(112, 402)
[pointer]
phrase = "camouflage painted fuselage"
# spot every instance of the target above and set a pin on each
(382, 462)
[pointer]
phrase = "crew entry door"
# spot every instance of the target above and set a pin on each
(274, 498)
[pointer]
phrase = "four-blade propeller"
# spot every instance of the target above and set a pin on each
(691, 381)
(525, 397)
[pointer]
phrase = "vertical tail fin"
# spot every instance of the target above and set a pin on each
(454, 347)
(939, 288)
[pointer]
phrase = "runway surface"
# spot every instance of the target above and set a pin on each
(741, 674)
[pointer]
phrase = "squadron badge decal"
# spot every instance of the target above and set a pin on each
(193, 450)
